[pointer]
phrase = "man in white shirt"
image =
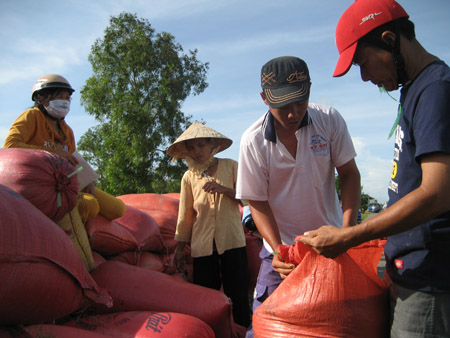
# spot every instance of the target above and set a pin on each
(287, 165)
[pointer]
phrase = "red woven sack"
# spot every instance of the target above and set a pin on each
(167, 224)
(137, 289)
(150, 201)
(45, 179)
(175, 195)
(110, 238)
(144, 228)
(322, 297)
(127, 257)
(153, 261)
(98, 259)
(59, 331)
(42, 276)
(146, 324)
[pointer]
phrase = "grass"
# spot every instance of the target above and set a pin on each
(364, 215)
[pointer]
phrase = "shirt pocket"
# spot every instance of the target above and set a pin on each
(320, 168)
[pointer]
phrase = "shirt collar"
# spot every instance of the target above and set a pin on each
(268, 126)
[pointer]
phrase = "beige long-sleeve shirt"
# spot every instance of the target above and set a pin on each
(204, 218)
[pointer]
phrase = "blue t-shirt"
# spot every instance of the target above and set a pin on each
(419, 259)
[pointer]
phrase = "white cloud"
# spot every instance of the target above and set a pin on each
(375, 170)
(163, 10)
(263, 41)
(46, 56)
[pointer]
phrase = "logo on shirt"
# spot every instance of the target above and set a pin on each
(319, 145)
(398, 263)
(394, 169)
(399, 135)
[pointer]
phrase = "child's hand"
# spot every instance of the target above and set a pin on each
(213, 187)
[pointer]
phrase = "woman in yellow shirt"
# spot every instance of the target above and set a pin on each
(209, 217)
(43, 127)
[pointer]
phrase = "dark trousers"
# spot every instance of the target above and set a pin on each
(229, 269)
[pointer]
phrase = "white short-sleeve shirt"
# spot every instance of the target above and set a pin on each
(301, 191)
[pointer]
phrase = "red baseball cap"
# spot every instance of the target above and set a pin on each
(358, 20)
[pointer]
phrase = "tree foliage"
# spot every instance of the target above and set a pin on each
(365, 198)
(140, 79)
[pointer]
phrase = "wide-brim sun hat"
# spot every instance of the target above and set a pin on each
(197, 130)
(360, 18)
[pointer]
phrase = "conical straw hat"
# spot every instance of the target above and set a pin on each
(197, 130)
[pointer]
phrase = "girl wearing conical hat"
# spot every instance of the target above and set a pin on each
(209, 217)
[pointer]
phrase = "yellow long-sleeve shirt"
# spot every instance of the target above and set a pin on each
(204, 217)
(33, 130)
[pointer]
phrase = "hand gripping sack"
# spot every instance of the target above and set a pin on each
(322, 297)
(42, 277)
(45, 179)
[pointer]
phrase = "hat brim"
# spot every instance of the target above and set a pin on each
(280, 97)
(197, 130)
(345, 60)
(178, 150)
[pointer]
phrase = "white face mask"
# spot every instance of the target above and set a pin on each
(58, 108)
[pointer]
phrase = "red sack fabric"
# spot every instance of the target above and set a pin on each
(153, 261)
(42, 276)
(98, 259)
(322, 297)
(14, 332)
(150, 201)
(42, 178)
(145, 324)
(137, 289)
(175, 195)
(127, 257)
(144, 228)
(109, 238)
(167, 224)
(59, 331)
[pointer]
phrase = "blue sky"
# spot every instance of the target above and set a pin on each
(236, 38)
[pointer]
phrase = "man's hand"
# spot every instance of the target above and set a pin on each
(282, 268)
(329, 241)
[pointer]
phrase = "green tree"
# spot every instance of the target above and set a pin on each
(365, 198)
(140, 79)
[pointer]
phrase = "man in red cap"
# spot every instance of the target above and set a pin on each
(377, 36)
